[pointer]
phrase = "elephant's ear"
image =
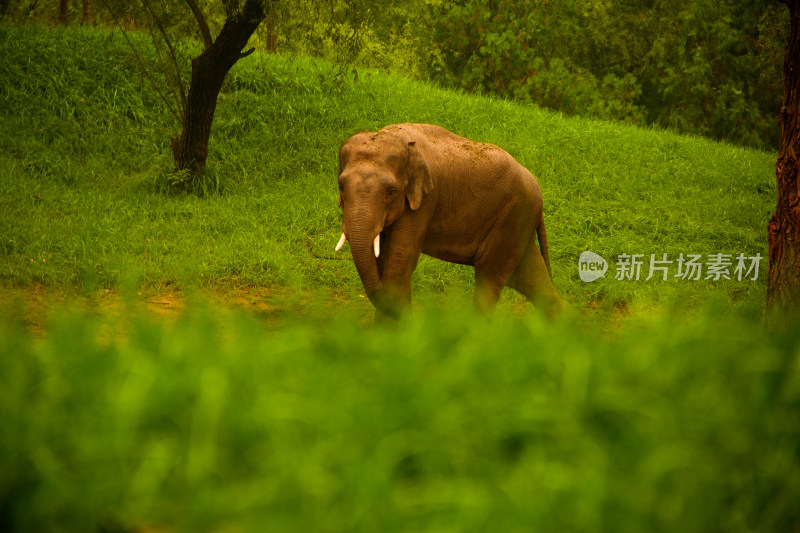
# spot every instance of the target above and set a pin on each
(344, 154)
(419, 178)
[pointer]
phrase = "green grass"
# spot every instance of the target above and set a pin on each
(84, 158)
(441, 424)
(117, 420)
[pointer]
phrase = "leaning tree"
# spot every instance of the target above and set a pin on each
(194, 108)
(209, 69)
(783, 275)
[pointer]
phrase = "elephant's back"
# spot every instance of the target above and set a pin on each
(438, 137)
(483, 168)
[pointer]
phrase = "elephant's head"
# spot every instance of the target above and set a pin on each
(381, 175)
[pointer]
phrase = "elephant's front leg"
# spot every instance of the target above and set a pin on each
(398, 258)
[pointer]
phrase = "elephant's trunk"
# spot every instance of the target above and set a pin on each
(361, 246)
(361, 233)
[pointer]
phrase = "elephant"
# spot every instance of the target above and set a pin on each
(418, 188)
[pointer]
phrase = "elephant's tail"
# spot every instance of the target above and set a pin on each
(542, 235)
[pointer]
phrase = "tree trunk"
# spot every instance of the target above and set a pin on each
(63, 11)
(272, 32)
(208, 72)
(783, 275)
(88, 12)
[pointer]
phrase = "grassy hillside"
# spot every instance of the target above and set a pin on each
(84, 158)
(119, 421)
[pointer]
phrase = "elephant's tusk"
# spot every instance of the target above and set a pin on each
(377, 245)
(341, 242)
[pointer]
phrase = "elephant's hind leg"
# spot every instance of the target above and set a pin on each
(498, 258)
(532, 280)
(487, 292)
(492, 273)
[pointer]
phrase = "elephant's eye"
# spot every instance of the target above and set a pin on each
(390, 192)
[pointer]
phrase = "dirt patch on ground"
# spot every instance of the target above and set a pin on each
(34, 304)
(166, 304)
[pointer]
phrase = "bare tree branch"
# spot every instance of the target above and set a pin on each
(201, 22)
(171, 52)
(169, 73)
(170, 105)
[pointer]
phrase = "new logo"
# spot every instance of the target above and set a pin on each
(591, 266)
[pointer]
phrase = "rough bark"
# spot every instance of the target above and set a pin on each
(88, 12)
(272, 32)
(63, 11)
(783, 275)
(208, 72)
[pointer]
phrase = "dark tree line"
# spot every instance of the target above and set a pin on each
(87, 11)
(705, 67)
(708, 67)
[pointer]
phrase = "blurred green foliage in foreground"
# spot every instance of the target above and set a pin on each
(445, 423)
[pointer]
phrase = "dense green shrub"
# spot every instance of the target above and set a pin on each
(517, 50)
(447, 423)
(707, 67)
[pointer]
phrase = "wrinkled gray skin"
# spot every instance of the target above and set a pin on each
(426, 190)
